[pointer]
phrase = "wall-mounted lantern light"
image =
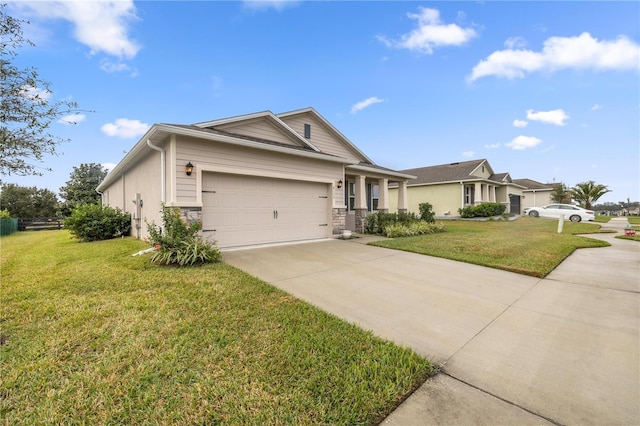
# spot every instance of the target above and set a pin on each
(188, 168)
(339, 185)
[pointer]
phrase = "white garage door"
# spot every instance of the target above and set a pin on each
(247, 210)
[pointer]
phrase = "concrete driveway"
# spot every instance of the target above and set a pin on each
(513, 349)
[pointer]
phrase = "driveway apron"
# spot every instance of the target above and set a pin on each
(513, 349)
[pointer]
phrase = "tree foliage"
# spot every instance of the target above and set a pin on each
(587, 193)
(26, 110)
(81, 187)
(560, 194)
(28, 202)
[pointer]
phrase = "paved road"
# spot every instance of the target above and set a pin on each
(513, 349)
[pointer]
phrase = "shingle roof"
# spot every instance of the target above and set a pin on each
(499, 177)
(249, 138)
(460, 171)
(532, 184)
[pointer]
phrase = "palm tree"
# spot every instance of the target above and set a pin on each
(587, 193)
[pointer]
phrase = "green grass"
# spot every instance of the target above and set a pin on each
(602, 218)
(527, 246)
(634, 220)
(92, 335)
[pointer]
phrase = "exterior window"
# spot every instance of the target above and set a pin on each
(373, 192)
(350, 195)
(469, 195)
(307, 131)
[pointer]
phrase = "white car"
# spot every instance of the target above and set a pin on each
(573, 213)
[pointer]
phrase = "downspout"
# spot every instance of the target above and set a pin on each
(163, 169)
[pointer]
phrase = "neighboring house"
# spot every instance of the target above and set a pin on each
(536, 194)
(253, 179)
(449, 187)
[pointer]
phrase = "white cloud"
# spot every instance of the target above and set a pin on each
(520, 123)
(430, 33)
(260, 5)
(596, 107)
(364, 104)
(467, 154)
(35, 94)
(515, 43)
(101, 25)
(557, 116)
(523, 142)
(108, 166)
(493, 146)
(125, 128)
(581, 52)
(72, 119)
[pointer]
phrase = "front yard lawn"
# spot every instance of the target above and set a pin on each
(529, 246)
(92, 335)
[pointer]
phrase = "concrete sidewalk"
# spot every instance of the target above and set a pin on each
(513, 349)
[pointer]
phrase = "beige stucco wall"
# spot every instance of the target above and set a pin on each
(443, 198)
(143, 179)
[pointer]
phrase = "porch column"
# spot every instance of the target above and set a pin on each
(478, 192)
(403, 202)
(383, 195)
(360, 206)
(493, 193)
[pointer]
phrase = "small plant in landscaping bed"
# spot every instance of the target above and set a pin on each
(179, 243)
(426, 212)
(377, 222)
(412, 229)
(92, 222)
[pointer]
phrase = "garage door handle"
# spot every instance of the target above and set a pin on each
(209, 230)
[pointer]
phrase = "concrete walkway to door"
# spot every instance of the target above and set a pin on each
(513, 349)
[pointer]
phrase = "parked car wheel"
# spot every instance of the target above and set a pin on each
(534, 213)
(575, 218)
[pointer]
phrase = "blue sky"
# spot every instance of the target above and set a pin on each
(544, 90)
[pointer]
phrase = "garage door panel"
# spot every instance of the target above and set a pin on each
(249, 210)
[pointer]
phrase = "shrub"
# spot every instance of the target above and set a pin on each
(426, 212)
(376, 223)
(482, 210)
(412, 229)
(4, 214)
(179, 244)
(92, 222)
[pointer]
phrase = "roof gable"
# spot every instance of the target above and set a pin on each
(323, 134)
(261, 126)
(482, 170)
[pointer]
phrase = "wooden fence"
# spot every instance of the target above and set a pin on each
(37, 224)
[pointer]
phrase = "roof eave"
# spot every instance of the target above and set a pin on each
(373, 170)
(169, 129)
